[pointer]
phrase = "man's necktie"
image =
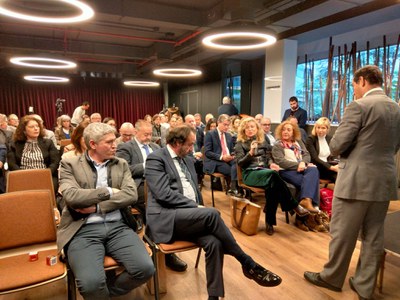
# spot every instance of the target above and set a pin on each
(146, 149)
(223, 146)
(185, 171)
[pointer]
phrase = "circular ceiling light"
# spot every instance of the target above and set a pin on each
(177, 72)
(86, 12)
(42, 62)
(141, 83)
(239, 37)
(41, 78)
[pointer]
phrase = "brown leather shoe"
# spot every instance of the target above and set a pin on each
(301, 211)
(307, 204)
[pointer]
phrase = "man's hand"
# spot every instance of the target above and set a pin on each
(227, 158)
(198, 155)
(274, 167)
(87, 210)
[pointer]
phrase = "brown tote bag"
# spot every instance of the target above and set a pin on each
(245, 215)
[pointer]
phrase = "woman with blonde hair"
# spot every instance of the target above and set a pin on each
(290, 153)
(253, 155)
(318, 146)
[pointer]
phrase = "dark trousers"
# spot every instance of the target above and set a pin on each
(229, 170)
(205, 227)
(306, 182)
(86, 253)
(276, 191)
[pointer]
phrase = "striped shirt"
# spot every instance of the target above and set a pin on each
(32, 156)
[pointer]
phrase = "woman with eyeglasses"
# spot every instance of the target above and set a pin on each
(290, 153)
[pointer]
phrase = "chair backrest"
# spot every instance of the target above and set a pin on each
(34, 179)
(65, 142)
(26, 218)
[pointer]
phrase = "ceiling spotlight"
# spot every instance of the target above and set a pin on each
(42, 62)
(41, 78)
(177, 72)
(239, 36)
(141, 83)
(86, 12)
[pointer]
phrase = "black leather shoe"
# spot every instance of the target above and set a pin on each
(269, 229)
(316, 279)
(354, 289)
(175, 263)
(301, 211)
(235, 193)
(262, 276)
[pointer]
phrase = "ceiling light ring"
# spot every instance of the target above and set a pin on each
(86, 13)
(45, 78)
(240, 30)
(62, 64)
(177, 72)
(141, 83)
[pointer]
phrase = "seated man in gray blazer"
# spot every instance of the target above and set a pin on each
(97, 187)
(175, 212)
(135, 152)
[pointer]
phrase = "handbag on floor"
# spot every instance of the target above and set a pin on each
(245, 215)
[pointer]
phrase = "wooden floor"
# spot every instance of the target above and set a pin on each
(289, 252)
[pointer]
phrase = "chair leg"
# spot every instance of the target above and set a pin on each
(212, 190)
(198, 258)
(287, 217)
(71, 285)
(155, 276)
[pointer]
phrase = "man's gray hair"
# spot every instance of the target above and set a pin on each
(222, 118)
(95, 132)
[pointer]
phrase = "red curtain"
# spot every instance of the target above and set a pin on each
(106, 96)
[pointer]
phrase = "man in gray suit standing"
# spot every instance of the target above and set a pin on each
(175, 212)
(366, 140)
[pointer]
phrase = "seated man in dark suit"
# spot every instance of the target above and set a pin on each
(175, 212)
(135, 153)
(219, 153)
(97, 188)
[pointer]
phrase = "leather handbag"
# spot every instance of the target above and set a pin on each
(245, 215)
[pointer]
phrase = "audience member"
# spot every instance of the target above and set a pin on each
(208, 117)
(48, 134)
(197, 148)
(4, 124)
(296, 111)
(303, 133)
(135, 152)
(293, 159)
(95, 118)
(366, 183)
(219, 154)
(126, 133)
(5, 140)
(31, 150)
(227, 107)
(110, 121)
(211, 125)
(13, 120)
(199, 123)
(266, 127)
(164, 121)
(64, 129)
(253, 155)
(174, 213)
(156, 136)
(148, 118)
(92, 222)
(78, 113)
(258, 117)
(318, 146)
(77, 146)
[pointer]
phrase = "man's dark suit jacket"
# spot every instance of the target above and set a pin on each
(199, 139)
(300, 115)
(131, 152)
(228, 109)
(213, 149)
(165, 194)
